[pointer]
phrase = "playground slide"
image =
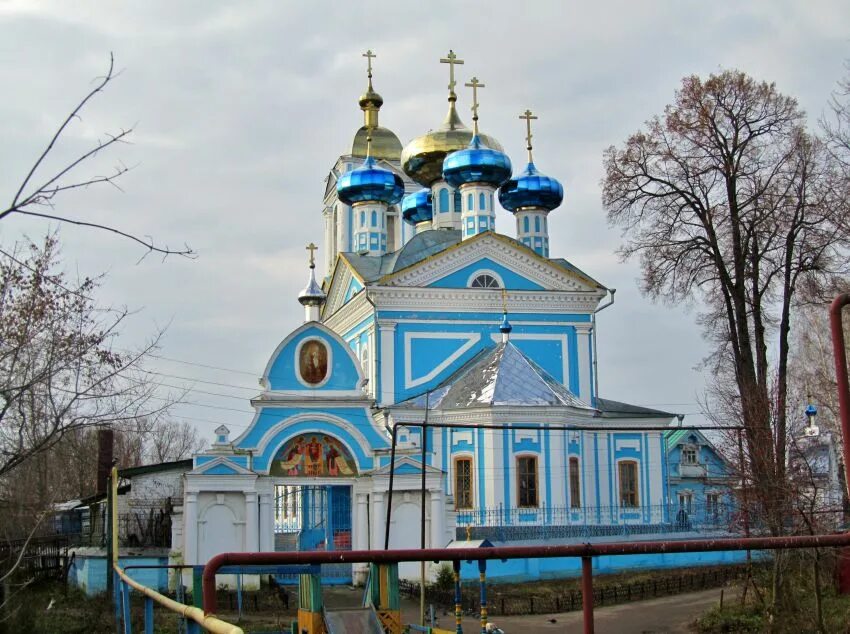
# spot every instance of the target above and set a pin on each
(353, 621)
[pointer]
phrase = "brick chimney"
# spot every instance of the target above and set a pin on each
(105, 440)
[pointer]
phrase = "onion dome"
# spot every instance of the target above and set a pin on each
(417, 207)
(476, 164)
(312, 297)
(422, 158)
(370, 183)
(505, 327)
(531, 189)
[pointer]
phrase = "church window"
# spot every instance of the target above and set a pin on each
(362, 218)
(628, 484)
(374, 218)
(537, 224)
(444, 200)
(527, 481)
(482, 201)
(463, 483)
(525, 224)
(458, 203)
(689, 455)
(485, 280)
(575, 484)
(469, 206)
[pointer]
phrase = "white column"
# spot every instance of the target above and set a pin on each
(371, 388)
(343, 230)
(361, 524)
(190, 529)
(438, 536)
(387, 334)
(266, 523)
(584, 369)
(378, 521)
(251, 514)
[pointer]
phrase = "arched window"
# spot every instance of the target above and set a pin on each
(526, 472)
(469, 206)
(485, 280)
(525, 224)
(482, 201)
(545, 224)
(463, 483)
(537, 224)
(575, 484)
(362, 218)
(374, 218)
(444, 200)
(458, 202)
(492, 202)
(628, 470)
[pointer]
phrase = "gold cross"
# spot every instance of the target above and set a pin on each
(475, 85)
(312, 248)
(369, 55)
(504, 301)
(528, 117)
(451, 59)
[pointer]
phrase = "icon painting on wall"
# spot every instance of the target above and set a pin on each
(313, 455)
(313, 362)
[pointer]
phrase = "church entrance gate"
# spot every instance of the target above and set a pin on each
(314, 517)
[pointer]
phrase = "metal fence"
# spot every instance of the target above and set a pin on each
(43, 557)
(512, 524)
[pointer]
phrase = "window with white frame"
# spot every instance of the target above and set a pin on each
(485, 280)
(628, 472)
(690, 455)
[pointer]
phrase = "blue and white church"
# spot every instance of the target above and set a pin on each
(429, 311)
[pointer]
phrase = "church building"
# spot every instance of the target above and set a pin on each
(430, 312)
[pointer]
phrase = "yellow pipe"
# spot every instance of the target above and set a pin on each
(208, 622)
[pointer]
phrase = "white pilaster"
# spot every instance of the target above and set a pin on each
(190, 529)
(584, 369)
(361, 523)
(387, 334)
(438, 537)
(378, 521)
(343, 229)
(251, 515)
(477, 214)
(266, 523)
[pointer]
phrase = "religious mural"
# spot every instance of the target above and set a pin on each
(313, 361)
(313, 455)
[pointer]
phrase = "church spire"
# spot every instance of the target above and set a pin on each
(370, 101)
(312, 297)
(505, 327)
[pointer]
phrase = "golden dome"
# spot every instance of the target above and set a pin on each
(385, 144)
(422, 158)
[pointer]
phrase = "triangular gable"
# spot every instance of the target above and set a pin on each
(330, 185)
(221, 466)
(407, 466)
(490, 249)
(341, 279)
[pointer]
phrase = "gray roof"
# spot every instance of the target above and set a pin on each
(499, 376)
(617, 409)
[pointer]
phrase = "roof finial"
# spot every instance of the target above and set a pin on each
(528, 117)
(452, 60)
(369, 55)
(475, 85)
(505, 327)
(312, 248)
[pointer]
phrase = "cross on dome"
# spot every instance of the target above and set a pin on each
(312, 248)
(475, 85)
(528, 117)
(369, 55)
(452, 60)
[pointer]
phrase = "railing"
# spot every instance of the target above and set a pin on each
(42, 557)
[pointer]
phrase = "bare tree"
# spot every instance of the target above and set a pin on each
(59, 370)
(36, 195)
(173, 440)
(728, 200)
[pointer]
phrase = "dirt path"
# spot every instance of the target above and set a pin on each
(667, 615)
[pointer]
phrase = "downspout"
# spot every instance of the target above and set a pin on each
(612, 291)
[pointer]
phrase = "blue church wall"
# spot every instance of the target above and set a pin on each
(342, 369)
(520, 570)
(512, 281)
(426, 354)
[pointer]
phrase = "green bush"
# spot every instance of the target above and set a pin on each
(445, 577)
(731, 619)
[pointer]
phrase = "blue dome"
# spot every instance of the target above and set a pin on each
(369, 183)
(531, 189)
(476, 164)
(417, 207)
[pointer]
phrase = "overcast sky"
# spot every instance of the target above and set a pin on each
(240, 109)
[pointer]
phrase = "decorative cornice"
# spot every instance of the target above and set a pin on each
(482, 300)
(349, 315)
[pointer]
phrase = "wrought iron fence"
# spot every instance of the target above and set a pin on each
(511, 523)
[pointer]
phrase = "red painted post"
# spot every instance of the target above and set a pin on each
(587, 593)
(840, 354)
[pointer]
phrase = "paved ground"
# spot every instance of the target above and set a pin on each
(667, 615)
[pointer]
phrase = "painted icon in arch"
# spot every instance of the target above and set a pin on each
(313, 362)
